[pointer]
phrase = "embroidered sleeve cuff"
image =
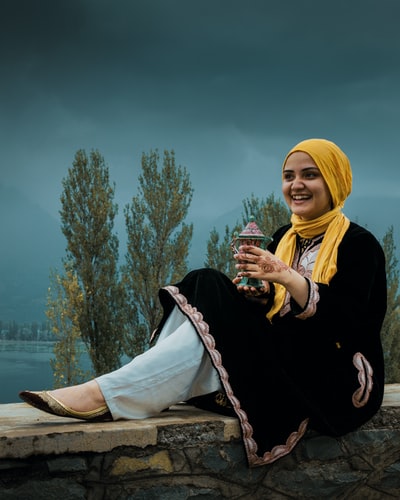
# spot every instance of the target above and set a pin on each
(311, 305)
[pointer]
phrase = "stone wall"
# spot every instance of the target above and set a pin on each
(186, 453)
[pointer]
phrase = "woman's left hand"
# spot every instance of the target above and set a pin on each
(254, 262)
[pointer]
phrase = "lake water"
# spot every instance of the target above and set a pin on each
(26, 366)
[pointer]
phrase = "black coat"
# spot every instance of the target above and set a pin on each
(280, 378)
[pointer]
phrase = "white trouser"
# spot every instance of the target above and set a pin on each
(175, 369)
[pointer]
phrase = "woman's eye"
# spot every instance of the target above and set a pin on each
(311, 173)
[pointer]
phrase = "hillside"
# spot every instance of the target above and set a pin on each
(31, 244)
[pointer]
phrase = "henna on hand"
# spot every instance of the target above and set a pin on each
(269, 265)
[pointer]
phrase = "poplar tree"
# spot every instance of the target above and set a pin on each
(219, 250)
(391, 325)
(269, 213)
(87, 217)
(158, 241)
(64, 304)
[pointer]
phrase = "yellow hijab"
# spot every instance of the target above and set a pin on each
(336, 171)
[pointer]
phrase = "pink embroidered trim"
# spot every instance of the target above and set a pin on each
(250, 445)
(361, 395)
(312, 302)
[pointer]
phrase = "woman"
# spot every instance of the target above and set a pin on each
(303, 352)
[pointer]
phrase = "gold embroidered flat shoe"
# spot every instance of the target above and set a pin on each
(44, 401)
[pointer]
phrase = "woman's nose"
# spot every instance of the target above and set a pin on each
(297, 183)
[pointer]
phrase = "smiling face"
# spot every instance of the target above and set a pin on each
(305, 190)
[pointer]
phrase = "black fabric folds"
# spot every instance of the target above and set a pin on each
(281, 377)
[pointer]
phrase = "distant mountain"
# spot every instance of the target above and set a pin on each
(31, 244)
(376, 214)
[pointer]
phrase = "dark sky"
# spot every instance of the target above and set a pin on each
(229, 85)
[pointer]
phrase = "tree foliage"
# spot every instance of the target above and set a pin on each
(270, 213)
(219, 251)
(391, 324)
(87, 217)
(64, 304)
(158, 239)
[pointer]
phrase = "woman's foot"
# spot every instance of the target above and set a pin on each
(83, 401)
(83, 397)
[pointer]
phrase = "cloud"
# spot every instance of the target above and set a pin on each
(230, 85)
